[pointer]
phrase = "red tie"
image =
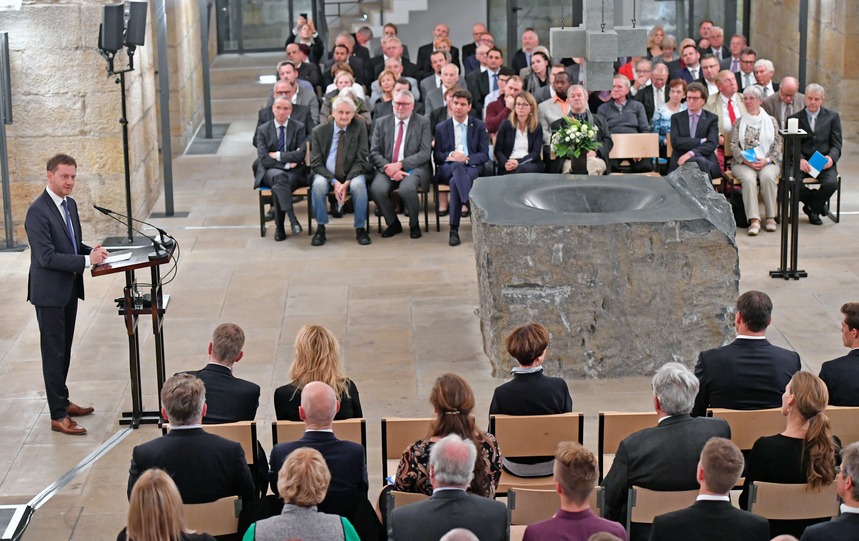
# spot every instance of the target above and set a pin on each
(398, 143)
(731, 112)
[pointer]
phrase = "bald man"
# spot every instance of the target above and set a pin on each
(787, 101)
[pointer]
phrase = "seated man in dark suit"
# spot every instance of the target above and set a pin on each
(204, 466)
(712, 517)
(451, 470)
(664, 457)
(301, 113)
(824, 126)
(841, 375)
(749, 373)
(482, 83)
(692, 72)
(298, 53)
(844, 527)
(425, 51)
(461, 149)
(695, 134)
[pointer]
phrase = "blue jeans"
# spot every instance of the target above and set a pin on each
(357, 188)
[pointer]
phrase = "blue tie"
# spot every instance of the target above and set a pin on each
(69, 225)
(464, 139)
(494, 82)
(281, 140)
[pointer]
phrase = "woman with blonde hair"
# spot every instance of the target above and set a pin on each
(302, 483)
(805, 453)
(317, 358)
(519, 143)
(453, 402)
(654, 42)
(155, 511)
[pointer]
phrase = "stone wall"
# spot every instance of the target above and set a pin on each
(63, 101)
(833, 47)
(186, 74)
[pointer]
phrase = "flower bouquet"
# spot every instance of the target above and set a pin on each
(574, 139)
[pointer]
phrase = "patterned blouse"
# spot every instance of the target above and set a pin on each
(662, 122)
(413, 471)
(753, 140)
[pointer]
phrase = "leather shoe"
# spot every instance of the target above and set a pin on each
(363, 237)
(415, 232)
(280, 234)
(443, 213)
(269, 216)
(297, 229)
(77, 411)
(319, 237)
(454, 238)
(67, 425)
(394, 229)
(813, 217)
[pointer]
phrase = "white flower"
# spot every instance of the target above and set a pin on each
(591, 133)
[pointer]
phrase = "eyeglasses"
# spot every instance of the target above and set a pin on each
(528, 105)
(402, 103)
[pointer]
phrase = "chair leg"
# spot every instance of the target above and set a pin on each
(435, 196)
(261, 215)
(309, 214)
(425, 204)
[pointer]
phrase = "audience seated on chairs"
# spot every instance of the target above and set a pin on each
(746, 76)
(548, 92)
(303, 95)
(709, 71)
(530, 392)
(396, 66)
(301, 113)
(298, 54)
(385, 84)
(728, 106)
(425, 52)
(575, 473)
(713, 517)
(401, 150)
(477, 61)
(432, 80)
(302, 482)
(785, 102)
(317, 358)
(452, 465)
(806, 452)
(305, 32)
(461, 150)
(675, 65)
(764, 71)
(625, 116)
(155, 511)
(501, 108)
(695, 134)
(662, 116)
(332, 74)
(598, 162)
(845, 526)
(440, 45)
(841, 375)
(453, 401)
(691, 59)
(669, 47)
(628, 70)
(345, 90)
(732, 62)
(552, 109)
(385, 107)
(435, 97)
(470, 48)
(522, 57)
(655, 37)
(393, 49)
(756, 131)
(654, 95)
(287, 74)
(664, 457)
(388, 31)
(361, 67)
(749, 373)
(824, 125)
(519, 144)
(536, 76)
(504, 75)
(481, 83)
(205, 467)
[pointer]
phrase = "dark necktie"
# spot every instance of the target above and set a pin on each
(788, 110)
(693, 124)
(281, 140)
(339, 171)
(581, 117)
(399, 142)
(735, 65)
(494, 82)
(69, 225)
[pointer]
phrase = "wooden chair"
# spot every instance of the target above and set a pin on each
(775, 501)
(630, 146)
(528, 506)
(423, 198)
(729, 175)
(748, 426)
(614, 426)
(220, 517)
(837, 216)
(397, 434)
(845, 422)
(644, 505)
(715, 181)
(436, 190)
(242, 432)
(354, 430)
(395, 498)
(533, 435)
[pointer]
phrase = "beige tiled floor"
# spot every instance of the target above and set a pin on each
(403, 310)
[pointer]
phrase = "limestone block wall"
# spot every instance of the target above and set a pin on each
(63, 101)
(186, 74)
(833, 47)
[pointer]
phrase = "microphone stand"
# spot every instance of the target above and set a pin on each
(166, 239)
(159, 253)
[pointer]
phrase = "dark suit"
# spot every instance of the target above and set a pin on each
(54, 286)
(740, 76)
(272, 172)
(724, 50)
(470, 64)
(409, 69)
(841, 377)
(363, 74)
(310, 73)
(710, 521)
(603, 136)
(424, 61)
(520, 61)
(300, 113)
(504, 141)
(429, 520)
(645, 97)
(664, 457)
(460, 176)
(228, 399)
(417, 152)
(682, 142)
(468, 50)
(479, 86)
(826, 139)
(747, 374)
(686, 75)
(844, 527)
(772, 105)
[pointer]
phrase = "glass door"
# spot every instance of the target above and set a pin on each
(257, 25)
(508, 19)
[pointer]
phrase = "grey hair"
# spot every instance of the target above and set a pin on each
(814, 87)
(669, 41)
(766, 64)
(459, 534)
(448, 59)
(850, 466)
(452, 64)
(717, 29)
(754, 90)
(576, 87)
(395, 60)
(365, 31)
(660, 67)
(345, 96)
(348, 36)
(644, 61)
(395, 38)
(284, 98)
(619, 76)
(676, 388)
(452, 460)
(406, 93)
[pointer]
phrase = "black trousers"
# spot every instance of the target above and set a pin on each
(816, 199)
(57, 328)
(282, 184)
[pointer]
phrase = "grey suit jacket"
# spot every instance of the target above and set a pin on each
(548, 111)
(416, 152)
(430, 519)
(772, 105)
(308, 99)
(355, 160)
(844, 527)
(543, 93)
(295, 143)
(435, 98)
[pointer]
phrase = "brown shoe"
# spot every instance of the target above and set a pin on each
(77, 411)
(67, 425)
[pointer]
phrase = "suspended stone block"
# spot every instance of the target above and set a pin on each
(627, 272)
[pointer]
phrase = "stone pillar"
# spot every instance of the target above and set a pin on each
(833, 47)
(63, 101)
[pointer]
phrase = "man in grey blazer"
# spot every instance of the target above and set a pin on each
(784, 103)
(57, 262)
(438, 59)
(435, 98)
(400, 150)
(664, 457)
(451, 470)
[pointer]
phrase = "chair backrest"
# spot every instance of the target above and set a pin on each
(644, 505)
(634, 145)
(395, 498)
(398, 433)
(242, 432)
(220, 517)
(748, 426)
(845, 422)
(669, 149)
(614, 426)
(727, 136)
(776, 501)
(527, 506)
(535, 435)
(354, 430)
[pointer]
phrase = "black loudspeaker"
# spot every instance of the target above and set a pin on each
(135, 34)
(112, 27)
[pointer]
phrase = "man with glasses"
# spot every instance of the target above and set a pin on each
(503, 106)
(641, 77)
(787, 101)
(695, 133)
(709, 70)
(845, 526)
(655, 94)
(746, 75)
(738, 43)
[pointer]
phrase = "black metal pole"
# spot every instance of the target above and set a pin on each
(204, 56)
(5, 115)
(803, 42)
(124, 121)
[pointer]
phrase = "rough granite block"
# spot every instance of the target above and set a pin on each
(601, 46)
(627, 272)
(599, 76)
(567, 42)
(631, 41)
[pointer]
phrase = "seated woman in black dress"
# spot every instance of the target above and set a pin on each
(519, 143)
(806, 452)
(317, 358)
(530, 392)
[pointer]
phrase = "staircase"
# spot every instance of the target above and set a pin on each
(356, 14)
(236, 90)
